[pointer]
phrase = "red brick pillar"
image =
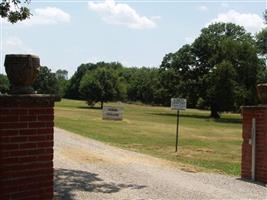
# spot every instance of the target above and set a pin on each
(26, 146)
(260, 115)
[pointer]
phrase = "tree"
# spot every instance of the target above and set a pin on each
(265, 16)
(143, 84)
(221, 93)
(63, 86)
(179, 77)
(4, 84)
(228, 43)
(62, 74)
(195, 71)
(100, 85)
(72, 91)
(262, 42)
(169, 82)
(208, 46)
(46, 82)
(13, 11)
(63, 83)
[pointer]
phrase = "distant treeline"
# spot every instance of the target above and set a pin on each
(218, 71)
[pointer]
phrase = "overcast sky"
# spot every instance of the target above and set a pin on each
(136, 33)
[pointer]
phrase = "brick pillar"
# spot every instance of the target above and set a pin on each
(26, 146)
(260, 115)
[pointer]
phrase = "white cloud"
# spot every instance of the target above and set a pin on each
(121, 14)
(202, 8)
(252, 22)
(45, 16)
(15, 45)
(48, 15)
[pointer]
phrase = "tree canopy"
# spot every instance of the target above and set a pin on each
(262, 42)
(200, 69)
(4, 84)
(265, 16)
(218, 71)
(46, 82)
(100, 85)
(14, 10)
(74, 83)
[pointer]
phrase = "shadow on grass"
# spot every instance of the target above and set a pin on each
(221, 120)
(181, 115)
(229, 120)
(88, 107)
(67, 181)
(252, 182)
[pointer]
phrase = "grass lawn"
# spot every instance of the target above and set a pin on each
(204, 144)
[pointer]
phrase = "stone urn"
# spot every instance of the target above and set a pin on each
(22, 70)
(262, 92)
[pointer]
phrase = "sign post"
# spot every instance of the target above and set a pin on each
(177, 104)
(177, 130)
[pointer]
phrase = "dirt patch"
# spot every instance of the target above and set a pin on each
(80, 155)
(206, 150)
(188, 169)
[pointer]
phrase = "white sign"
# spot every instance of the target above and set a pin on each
(178, 104)
(112, 113)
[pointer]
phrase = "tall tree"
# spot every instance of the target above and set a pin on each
(179, 77)
(46, 82)
(230, 43)
(221, 91)
(262, 42)
(63, 83)
(100, 85)
(74, 83)
(194, 68)
(73, 91)
(143, 85)
(62, 74)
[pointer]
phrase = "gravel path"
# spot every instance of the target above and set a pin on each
(88, 169)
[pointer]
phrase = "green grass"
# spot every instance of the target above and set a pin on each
(204, 143)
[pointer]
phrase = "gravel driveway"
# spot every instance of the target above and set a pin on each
(88, 169)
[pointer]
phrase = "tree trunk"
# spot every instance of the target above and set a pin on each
(214, 113)
(102, 103)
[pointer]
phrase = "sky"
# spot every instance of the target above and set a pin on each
(136, 33)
